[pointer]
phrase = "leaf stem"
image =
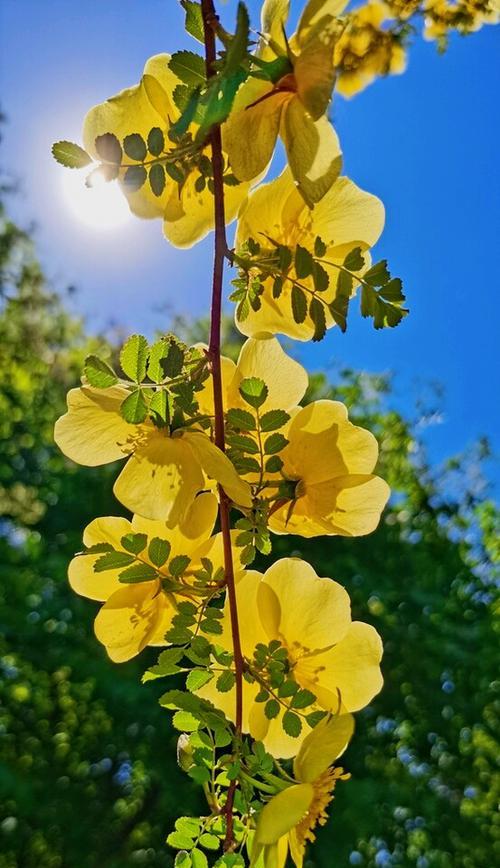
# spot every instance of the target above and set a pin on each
(210, 21)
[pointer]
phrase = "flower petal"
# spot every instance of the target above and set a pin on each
(218, 466)
(313, 151)
(161, 479)
(351, 668)
(324, 744)
(249, 135)
(285, 378)
(127, 620)
(92, 432)
(307, 612)
(187, 537)
(81, 575)
(283, 812)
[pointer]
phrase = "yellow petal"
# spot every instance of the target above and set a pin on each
(349, 505)
(92, 432)
(187, 537)
(285, 378)
(307, 611)
(353, 668)
(165, 614)
(249, 136)
(348, 215)
(324, 744)
(82, 578)
(313, 151)
(161, 479)
(273, 18)
(313, 14)
(217, 466)
(205, 396)
(283, 812)
(127, 620)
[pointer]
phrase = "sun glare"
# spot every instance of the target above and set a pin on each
(101, 206)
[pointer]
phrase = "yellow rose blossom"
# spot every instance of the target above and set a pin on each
(187, 212)
(346, 218)
(337, 659)
(366, 51)
(466, 16)
(139, 614)
(329, 463)
(287, 822)
(295, 106)
(264, 359)
(163, 473)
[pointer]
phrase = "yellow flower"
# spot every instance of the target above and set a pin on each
(139, 614)
(187, 212)
(264, 359)
(335, 658)
(288, 820)
(295, 106)
(466, 16)
(163, 473)
(346, 218)
(366, 51)
(329, 463)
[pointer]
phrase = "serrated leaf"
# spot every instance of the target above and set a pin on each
(158, 551)
(277, 286)
(157, 179)
(134, 408)
(158, 405)
(113, 561)
(246, 444)
(299, 304)
(272, 709)
(71, 155)
(98, 548)
(302, 699)
(134, 543)
(182, 860)
(274, 464)
(167, 665)
(180, 841)
(134, 178)
(108, 148)
(338, 309)
(393, 290)
(189, 826)
(135, 147)
(225, 681)
(273, 419)
(292, 724)
(137, 573)
(98, 373)
(188, 67)
(245, 464)
(319, 247)
(275, 443)
(156, 141)
(247, 555)
(198, 858)
(241, 419)
(317, 314)
(315, 717)
(194, 19)
(134, 357)
(210, 842)
(378, 274)
(197, 678)
(172, 363)
(238, 46)
(354, 260)
(303, 262)
(182, 124)
(184, 721)
(320, 277)
(157, 352)
(178, 566)
(254, 391)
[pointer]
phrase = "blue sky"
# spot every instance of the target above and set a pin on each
(425, 142)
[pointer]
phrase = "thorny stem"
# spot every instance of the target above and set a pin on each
(210, 22)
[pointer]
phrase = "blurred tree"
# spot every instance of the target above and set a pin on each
(87, 777)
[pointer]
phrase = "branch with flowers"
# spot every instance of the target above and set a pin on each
(222, 456)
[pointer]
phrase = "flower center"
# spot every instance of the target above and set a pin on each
(316, 815)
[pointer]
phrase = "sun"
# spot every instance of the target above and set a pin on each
(101, 206)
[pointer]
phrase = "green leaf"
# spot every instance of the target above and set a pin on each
(354, 260)
(113, 561)
(98, 548)
(210, 842)
(172, 363)
(109, 149)
(275, 443)
(317, 314)
(288, 688)
(134, 543)
(158, 551)
(134, 178)
(70, 155)
(137, 573)
(292, 724)
(299, 304)
(182, 124)
(98, 373)
(225, 681)
(315, 717)
(179, 565)
(157, 179)
(197, 678)
(156, 141)
(273, 419)
(158, 404)
(180, 841)
(194, 19)
(272, 709)
(184, 721)
(338, 309)
(319, 247)
(241, 419)
(157, 352)
(238, 46)
(345, 283)
(277, 286)
(246, 444)
(198, 858)
(254, 391)
(320, 277)
(182, 860)
(189, 826)
(303, 262)
(188, 67)
(167, 665)
(133, 357)
(378, 274)
(134, 408)
(274, 464)
(135, 147)
(302, 699)
(393, 290)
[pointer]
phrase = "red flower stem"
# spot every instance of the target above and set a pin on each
(210, 21)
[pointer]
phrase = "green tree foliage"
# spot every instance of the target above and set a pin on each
(87, 777)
